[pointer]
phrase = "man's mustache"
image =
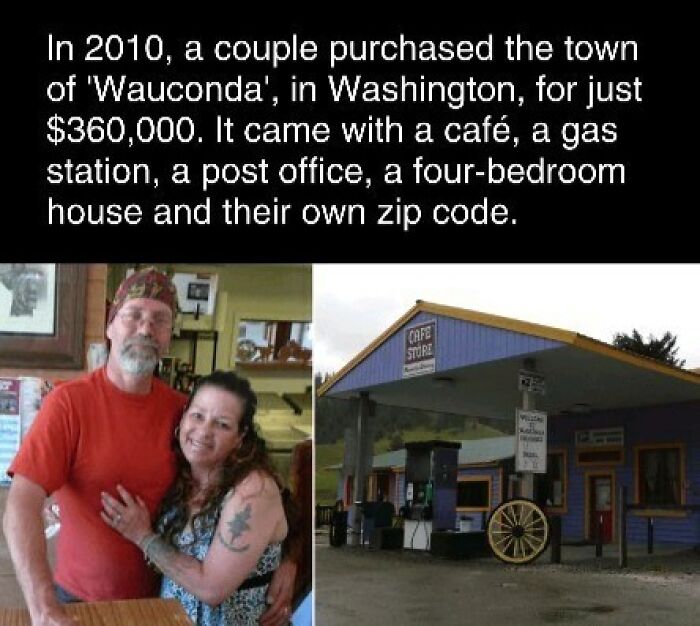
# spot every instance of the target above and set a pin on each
(142, 343)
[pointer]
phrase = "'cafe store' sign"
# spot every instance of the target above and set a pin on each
(419, 350)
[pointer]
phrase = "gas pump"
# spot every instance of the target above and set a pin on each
(431, 490)
(419, 497)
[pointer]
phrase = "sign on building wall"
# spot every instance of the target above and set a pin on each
(600, 437)
(419, 349)
(530, 441)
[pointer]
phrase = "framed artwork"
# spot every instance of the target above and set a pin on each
(198, 291)
(28, 298)
(42, 315)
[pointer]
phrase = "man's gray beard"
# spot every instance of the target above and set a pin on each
(138, 365)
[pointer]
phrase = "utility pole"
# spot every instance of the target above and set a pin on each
(363, 453)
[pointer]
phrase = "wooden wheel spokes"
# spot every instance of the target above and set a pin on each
(518, 531)
(509, 516)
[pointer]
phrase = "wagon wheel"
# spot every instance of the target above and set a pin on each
(518, 531)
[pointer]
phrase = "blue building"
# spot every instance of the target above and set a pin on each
(614, 419)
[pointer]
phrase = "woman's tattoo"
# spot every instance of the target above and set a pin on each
(237, 526)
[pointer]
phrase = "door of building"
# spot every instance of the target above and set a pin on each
(384, 486)
(600, 506)
(349, 488)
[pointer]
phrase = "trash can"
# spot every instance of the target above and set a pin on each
(339, 526)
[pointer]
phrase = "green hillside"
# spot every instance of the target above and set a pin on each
(332, 453)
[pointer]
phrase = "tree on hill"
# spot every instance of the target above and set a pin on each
(396, 442)
(663, 349)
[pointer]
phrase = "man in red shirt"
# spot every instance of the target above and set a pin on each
(113, 426)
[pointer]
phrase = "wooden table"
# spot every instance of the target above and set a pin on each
(151, 612)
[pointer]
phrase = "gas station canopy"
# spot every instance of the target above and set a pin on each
(471, 364)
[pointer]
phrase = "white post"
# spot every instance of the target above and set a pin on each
(527, 483)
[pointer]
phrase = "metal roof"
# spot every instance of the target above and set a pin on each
(478, 359)
(472, 452)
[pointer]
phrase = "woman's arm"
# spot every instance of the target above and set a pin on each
(251, 518)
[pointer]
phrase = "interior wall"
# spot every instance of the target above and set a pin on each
(248, 291)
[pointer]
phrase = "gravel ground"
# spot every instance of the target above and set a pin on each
(363, 586)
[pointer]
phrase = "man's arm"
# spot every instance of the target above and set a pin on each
(24, 529)
(280, 594)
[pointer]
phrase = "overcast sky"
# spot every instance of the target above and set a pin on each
(353, 304)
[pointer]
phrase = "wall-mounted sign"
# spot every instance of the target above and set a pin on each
(600, 437)
(531, 381)
(10, 425)
(530, 441)
(419, 349)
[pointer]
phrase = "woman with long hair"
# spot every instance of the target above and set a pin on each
(221, 526)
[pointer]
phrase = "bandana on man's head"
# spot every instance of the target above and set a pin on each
(146, 283)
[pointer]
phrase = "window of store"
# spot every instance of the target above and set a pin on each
(474, 493)
(552, 487)
(659, 475)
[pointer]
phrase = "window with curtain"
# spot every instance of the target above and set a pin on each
(550, 488)
(555, 480)
(659, 476)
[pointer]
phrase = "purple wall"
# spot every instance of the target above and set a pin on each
(459, 343)
(648, 425)
(480, 518)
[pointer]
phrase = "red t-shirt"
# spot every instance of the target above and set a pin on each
(88, 437)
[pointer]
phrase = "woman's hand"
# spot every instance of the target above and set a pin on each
(130, 517)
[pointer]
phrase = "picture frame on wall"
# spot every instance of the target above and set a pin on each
(198, 291)
(28, 298)
(42, 315)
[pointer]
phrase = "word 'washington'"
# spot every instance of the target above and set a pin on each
(343, 89)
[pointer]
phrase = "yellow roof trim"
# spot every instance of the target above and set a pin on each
(497, 321)
(518, 326)
(368, 350)
(600, 347)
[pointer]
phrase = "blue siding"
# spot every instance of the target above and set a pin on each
(459, 344)
(649, 425)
